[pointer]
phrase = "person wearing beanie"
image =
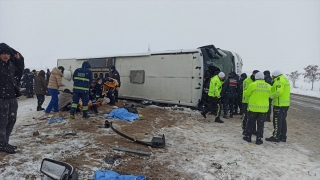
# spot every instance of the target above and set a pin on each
(229, 94)
(281, 102)
(214, 96)
(258, 94)
(246, 84)
(11, 67)
(114, 74)
(268, 80)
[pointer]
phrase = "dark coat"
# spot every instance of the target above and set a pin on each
(268, 78)
(240, 84)
(115, 75)
(40, 85)
(10, 73)
(82, 78)
(230, 87)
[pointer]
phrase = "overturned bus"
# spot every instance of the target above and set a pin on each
(170, 77)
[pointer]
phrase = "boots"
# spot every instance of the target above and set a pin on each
(218, 120)
(272, 139)
(85, 116)
(225, 116)
(39, 108)
(204, 115)
(7, 148)
(259, 141)
(231, 115)
(247, 138)
(71, 116)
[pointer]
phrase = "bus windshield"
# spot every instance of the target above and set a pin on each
(211, 58)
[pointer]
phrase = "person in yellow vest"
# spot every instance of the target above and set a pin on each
(109, 89)
(214, 96)
(246, 84)
(258, 94)
(281, 102)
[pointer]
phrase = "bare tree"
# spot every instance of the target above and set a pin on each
(293, 77)
(312, 74)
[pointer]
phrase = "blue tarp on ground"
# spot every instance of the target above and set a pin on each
(111, 175)
(123, 114)
(53, 120)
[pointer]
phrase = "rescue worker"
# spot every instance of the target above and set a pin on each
(92, 97)
(109, 88)
(268, 80)
(229, 94)
(281, 102)
(246, 84)
(11, 69)
(98, 88)
(114, 74)
(237, 99)
(258, 94)
(214, 96)
(82, 78)
(205, 100)
(243, 76)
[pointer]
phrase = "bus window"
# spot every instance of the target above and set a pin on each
(95, 75)
(101, 75)
(106, 75)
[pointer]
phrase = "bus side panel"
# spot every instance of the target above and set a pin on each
(168, 78)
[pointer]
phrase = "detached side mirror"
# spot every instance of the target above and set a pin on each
(58, 170)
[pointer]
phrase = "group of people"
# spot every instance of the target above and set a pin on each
(254, 96)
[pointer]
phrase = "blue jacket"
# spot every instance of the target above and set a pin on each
(82, 78)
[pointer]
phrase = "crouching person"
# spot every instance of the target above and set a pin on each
(65, 100)
(258, 94)
(92, 97)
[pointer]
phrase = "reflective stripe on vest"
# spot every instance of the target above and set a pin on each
(81, 88)
(85, 108)
(81, 79)
(74, 105)
(258, 107)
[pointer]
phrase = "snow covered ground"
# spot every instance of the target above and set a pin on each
(192, 145)
(304, 88)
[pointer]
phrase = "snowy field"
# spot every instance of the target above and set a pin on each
(304, 88)
(192, 145)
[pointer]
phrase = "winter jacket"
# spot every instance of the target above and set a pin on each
(268, 78)
(48, 75)
(246, 84)
(240, 85)
(82, 78)
(30, 79)
(230, 87)
(40, 85)
(115, 75)
(10, 73)
(98, 90)
(64, 99)
(258, 94)
(281, 92)
(215, 87)
(55, 80)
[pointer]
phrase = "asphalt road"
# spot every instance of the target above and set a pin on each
(307, 105)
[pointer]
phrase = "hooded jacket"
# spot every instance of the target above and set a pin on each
(215, 87)
(82, 78)
(55, 80)
(40, 84)
(10, 72)
(281, 92)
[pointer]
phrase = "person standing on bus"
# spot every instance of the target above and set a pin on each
(114, 74)
(82, 78)
(215, 97)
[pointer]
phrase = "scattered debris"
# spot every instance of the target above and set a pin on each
(106, 124)
(69, 134)
(132, 151)
(216, 165)
(155, 143)
(110, 159)
(36, 133)
(85, 146)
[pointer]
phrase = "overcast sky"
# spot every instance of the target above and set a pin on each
(267, 34)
